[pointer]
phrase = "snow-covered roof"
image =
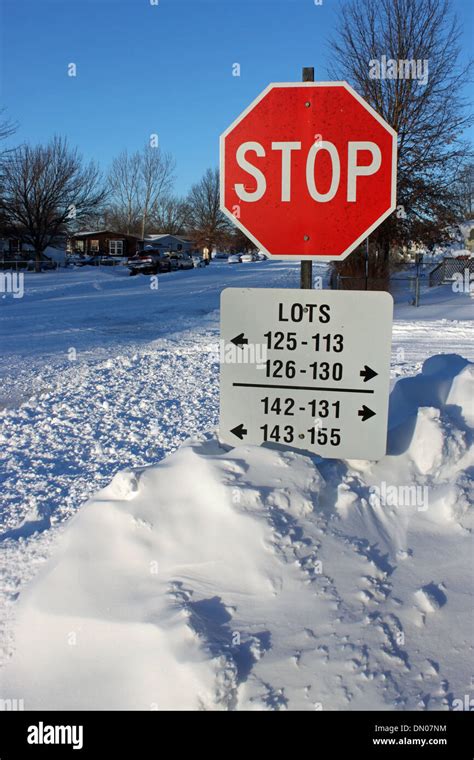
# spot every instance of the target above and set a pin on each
(82, 233)
(165, 234)
(88, 233)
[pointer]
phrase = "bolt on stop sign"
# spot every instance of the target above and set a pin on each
(308, 170)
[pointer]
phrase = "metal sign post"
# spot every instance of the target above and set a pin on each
(306, 272)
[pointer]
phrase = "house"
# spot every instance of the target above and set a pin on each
(11, 246)
(104, 242)
(165, 242)
(15, 250)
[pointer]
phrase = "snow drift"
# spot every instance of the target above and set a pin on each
(254, 578)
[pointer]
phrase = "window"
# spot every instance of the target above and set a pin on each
(116, 247)
(179, 247)
(79, 246)
(94, 246)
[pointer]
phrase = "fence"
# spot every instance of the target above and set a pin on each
(447, 268)
(15, 264)
(24, 265)
(395, 284)
(423, 274)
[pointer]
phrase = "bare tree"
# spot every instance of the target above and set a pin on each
(138, 183)
(466, 189)
(208, 224)
(7, 129)
(156, 181)
(124, 184)
(237, 241)
(44, 189)
(421, 99)
(171, 215)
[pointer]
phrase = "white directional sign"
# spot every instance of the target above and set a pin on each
(306, 369)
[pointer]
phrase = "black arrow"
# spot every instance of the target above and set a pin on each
(239, 340)
(240, 431)
(367, 373)
(365, 413)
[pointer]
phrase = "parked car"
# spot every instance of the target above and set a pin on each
(248, 257)
(112, 261)
(173, 261)
(234, 258)
(149, 262)
(74, 259)
(90, 261)
(261, 256)
(198, 261)
(182, 260)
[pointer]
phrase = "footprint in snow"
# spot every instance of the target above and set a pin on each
(431, 597)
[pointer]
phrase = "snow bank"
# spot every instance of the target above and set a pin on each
(257, 579)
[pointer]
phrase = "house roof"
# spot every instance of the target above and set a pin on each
(87, 233)
(165, 234)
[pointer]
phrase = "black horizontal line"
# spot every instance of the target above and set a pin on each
(303, 388)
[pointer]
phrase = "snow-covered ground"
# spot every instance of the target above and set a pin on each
(249, 578)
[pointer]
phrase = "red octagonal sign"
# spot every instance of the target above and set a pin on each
(308, 169)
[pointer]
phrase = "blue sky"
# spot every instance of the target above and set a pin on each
(164, 69)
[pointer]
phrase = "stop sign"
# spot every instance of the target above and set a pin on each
(308, 170)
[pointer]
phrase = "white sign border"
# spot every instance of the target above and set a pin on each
(315, 257)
